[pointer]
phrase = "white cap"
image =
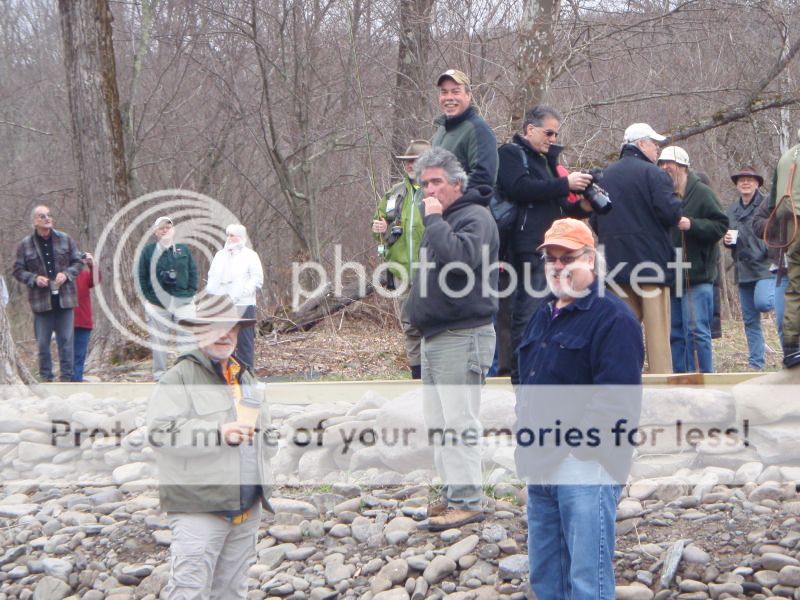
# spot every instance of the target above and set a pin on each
(675, 154)
(637, 131)
(161, 220)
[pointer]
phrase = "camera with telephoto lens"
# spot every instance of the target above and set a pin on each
(597, 196)
(168, 277)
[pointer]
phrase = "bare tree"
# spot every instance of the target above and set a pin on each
(410, 118)
(12, 371)
(97, 136)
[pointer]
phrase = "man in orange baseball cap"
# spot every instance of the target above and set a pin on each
(588, 340)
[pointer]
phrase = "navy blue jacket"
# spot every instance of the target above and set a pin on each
(594, 341)
(645, 207)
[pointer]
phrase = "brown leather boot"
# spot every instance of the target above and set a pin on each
(454, 517)
(437, 508)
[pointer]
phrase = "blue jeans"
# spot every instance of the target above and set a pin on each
(81, 344)
(691, 329)
(756, 297)
(571, 541)
(60, 321)
(780, 303)
(454, 365)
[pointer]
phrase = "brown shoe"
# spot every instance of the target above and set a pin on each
(437, 508)
(454, 517)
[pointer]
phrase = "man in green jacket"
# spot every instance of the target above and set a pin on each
(700, 228)
(209, 427)
(167, 277)
(463, 131)
(785, 201)
(398, 227)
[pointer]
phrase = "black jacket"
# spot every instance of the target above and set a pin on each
(750, 256)
(645, 207)
(540, 194)
(466, 233)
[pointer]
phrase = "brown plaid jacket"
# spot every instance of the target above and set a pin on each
(30, 263)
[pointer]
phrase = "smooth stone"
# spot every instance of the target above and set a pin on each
(775, 562)
(439, 568)
(462, 547)
(633, 592)
(51, 588)
(286, 533)
(513, 567)
(493, 533)
(789, 575)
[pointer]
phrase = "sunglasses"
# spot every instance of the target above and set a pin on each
(566, 259)
(550, 133)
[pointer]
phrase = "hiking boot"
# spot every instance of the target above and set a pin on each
(791, 355)
(437, 508)
(454, 517)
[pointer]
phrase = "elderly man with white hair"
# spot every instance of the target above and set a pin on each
(636, 237)
(236, 272)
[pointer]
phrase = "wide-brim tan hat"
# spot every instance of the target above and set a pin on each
(415, 148)
(217, 310)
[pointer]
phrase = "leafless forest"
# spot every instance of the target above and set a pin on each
(288, 111)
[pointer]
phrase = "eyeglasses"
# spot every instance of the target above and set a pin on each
(550, 133)
(44, 216)
(566, 259)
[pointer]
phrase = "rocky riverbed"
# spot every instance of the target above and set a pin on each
(714, 518)
(111, 543)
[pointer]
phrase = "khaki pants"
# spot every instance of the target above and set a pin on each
(209, 556)
(654, 314)
(413, 338)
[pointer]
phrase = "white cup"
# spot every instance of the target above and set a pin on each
(734, 235)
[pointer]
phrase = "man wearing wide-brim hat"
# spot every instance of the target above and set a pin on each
(751, 261)
(398, 227)
(208, 425)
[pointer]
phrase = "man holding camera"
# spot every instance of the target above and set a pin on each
(168, 278)
(48, 262)
(636, 236)
(527, 176)
(398, 227)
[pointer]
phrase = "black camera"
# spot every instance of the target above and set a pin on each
(597, 196)
(168, 277)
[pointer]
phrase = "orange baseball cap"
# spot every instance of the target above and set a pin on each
(571, 234)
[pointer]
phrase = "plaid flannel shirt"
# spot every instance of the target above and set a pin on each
(30, 263)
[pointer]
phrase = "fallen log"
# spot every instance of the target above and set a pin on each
(316, 308)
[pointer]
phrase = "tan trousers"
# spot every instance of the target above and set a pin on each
(412, 336)
(653, 313)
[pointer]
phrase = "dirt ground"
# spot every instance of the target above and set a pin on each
(364, 341)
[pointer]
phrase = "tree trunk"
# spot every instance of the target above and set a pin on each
(97, 143)
(12, 371)
(535, 56)
(411, 119)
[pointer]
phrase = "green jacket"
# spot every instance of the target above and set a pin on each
(197, 472)
(402, 251)
(471, 139)
(709, 224)
(152, 279)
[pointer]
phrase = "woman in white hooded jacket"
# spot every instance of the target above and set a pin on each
(236, 272)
